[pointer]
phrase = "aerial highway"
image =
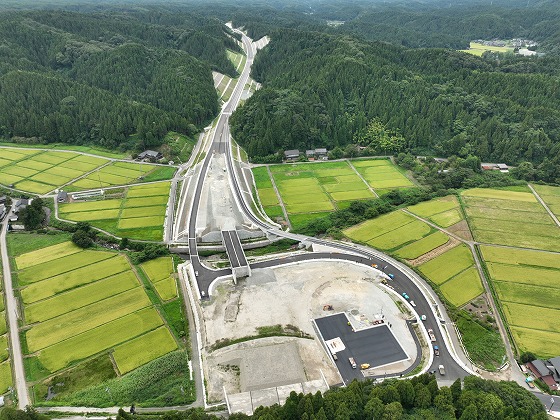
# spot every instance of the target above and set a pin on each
(401, 282)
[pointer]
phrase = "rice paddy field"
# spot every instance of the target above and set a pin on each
(311, 190)
(122, 173)
(5, 366)
(40, 172)
(478, 49)
(87, 307)
(390, 232)
(138, 212)
(551, 196)
(444, 211)
(161, 273)
(526, 283)
(381, 174)
(512, 218)
(455, 274)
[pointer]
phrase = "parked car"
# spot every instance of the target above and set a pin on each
(423, 317)
(405, 296)
(392, 276)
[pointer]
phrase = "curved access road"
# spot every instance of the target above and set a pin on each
(404, 281)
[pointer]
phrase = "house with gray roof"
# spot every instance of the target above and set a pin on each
(547, 370)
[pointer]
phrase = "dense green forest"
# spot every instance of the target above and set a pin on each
(101, 77)
(417, 398)
(325, 90)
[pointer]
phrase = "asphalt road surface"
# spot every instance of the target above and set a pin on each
(234, 249)
(12, 314)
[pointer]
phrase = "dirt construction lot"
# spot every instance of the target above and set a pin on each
(291, 295)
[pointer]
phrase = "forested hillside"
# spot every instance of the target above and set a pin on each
(101, 77)
(324, 90)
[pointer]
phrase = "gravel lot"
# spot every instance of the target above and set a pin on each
(290, 295)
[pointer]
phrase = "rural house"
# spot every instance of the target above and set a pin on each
(150, 154)
(291, 155)
(547, 370)
(62, 196)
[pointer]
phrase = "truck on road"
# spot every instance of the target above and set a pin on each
(441, 369)
(431, 334)
(436, 350)
(352, 362)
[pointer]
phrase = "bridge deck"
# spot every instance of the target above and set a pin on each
(234, 250)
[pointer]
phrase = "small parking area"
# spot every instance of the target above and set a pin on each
(376, 346)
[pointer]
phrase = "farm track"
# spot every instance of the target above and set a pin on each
(538, 197)
(280, 201)
(362, 178)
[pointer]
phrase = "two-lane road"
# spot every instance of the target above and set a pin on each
(12, 314)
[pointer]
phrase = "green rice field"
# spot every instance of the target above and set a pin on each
(381, 174)
(455, 274)
(390, 232)
(138, 213)
(161, 274)
(123, 173)
(448, 264)
(85, 303)
(551, 196)
(310, 190)
(526, 283)
(5, 376)
(478, 49)
(444, 211)
(40, 172)
(143, 349)
(422, 246)
(513, 218)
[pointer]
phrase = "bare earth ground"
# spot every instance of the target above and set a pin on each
(434, 252)
(288, 295)
(462, 230)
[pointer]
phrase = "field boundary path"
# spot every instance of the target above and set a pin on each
(538, 197)
(280, 201)
(12, 314)
(362, 178)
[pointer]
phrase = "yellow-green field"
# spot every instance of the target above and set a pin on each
(455, 274)
(79, 304)
(397, 231)
(139, 212)
(381, 174)
(143, 349)
(510, 218)
(309, 190)
(161, 274)
(422, 246)
(40, 172)
(122, 173)
(479, 49)
(551, 196)
(444, 211)
(5, 376)
(527, 285)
